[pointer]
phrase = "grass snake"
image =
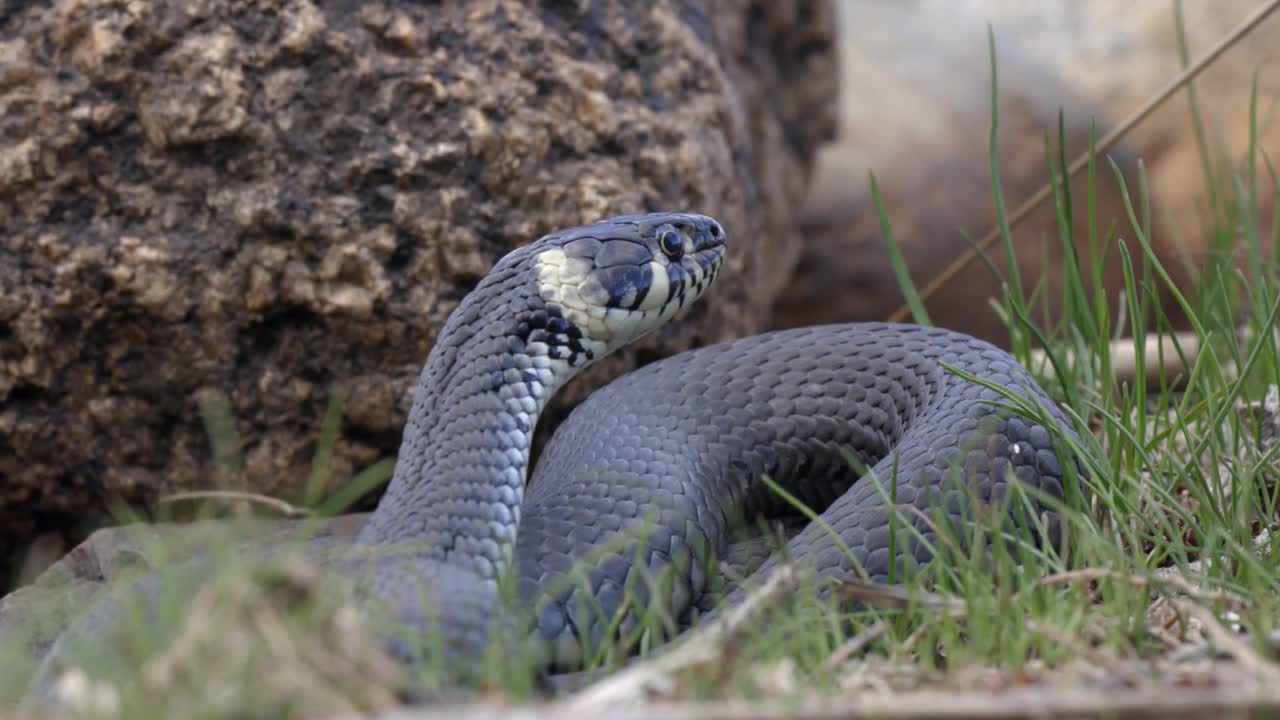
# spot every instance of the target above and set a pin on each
(671, 454)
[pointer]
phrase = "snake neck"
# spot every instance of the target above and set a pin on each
(459, 478)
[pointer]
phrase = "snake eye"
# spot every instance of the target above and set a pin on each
(671, 243)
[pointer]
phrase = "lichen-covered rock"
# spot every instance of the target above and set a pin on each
(926, 141)
(266, 198)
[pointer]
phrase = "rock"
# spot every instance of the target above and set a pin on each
(926, 140)
(113, 560)
(109, 553)
(33, 616)
(271, 198)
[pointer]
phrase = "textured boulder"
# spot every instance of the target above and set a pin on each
(268, 198)
(926, 141)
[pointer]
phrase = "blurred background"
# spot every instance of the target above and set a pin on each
(915, 107)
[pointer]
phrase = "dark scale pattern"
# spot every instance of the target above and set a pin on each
(686, 439)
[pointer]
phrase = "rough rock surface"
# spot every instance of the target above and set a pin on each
(926, 140)
(266, 198)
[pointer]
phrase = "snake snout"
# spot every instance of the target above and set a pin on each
(707, 233)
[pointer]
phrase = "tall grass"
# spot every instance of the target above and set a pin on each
(1180, 471)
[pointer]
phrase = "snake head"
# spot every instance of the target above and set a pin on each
(620, 278)
(545, 311)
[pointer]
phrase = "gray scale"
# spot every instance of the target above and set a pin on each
(665, 440)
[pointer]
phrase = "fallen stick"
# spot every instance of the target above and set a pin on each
(703, 645)
(1229, 701)
(1160, 355)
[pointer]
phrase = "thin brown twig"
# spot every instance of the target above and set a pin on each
(853, 645)
(1025, 209)
(894, 597)
(954, 614)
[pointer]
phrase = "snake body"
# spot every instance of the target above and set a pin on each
(659, 473)
(669, 457)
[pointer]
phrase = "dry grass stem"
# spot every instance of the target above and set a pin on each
(894, 596)
(281, 507)
(853, 646)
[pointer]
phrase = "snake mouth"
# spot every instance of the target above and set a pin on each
(689, 278)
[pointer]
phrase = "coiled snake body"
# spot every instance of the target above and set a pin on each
(669, 458)
(673, 452)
